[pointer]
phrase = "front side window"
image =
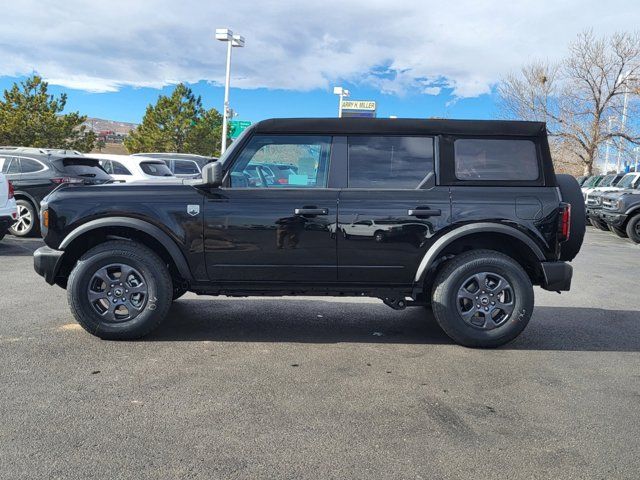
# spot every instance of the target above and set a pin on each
(496, 159)
(389, 162)
(283, 161)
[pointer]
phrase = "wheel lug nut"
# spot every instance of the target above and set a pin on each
(493, 303)
(491, 294)
(478, 305)
(476, 298)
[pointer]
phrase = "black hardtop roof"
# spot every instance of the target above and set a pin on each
(407, 126)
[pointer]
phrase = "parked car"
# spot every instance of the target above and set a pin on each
(500, 221)
(591, 182)
(594, 200)
(183, 165)
(621, 211)
(581, 179)
(8, 208)
(36, 172)
(133, 168)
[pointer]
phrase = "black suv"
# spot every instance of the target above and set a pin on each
(34, 172)
(471, 213)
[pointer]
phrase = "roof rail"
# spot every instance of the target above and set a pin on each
(42, 151)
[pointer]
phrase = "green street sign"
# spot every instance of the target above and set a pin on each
(236, 127)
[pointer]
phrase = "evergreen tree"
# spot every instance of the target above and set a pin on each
(30, 117)
(177, 123)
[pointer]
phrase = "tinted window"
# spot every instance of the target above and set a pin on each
(305, 158)
(29, 165)
(156, 169)
(489, 159)
(119, 169)
(185, 167)
(10, 165)
(83, 167)
(389, 162)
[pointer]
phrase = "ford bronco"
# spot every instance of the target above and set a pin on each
(460, 216)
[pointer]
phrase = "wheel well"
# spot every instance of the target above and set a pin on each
(22, 196)
(499, 242)
(79, 246)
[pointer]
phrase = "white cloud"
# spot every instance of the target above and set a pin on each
(397, 46)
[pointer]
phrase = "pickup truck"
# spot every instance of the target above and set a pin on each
(478, 216)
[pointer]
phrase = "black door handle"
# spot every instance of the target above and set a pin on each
(311, 211)
(422, 212)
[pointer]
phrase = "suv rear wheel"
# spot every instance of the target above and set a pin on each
(120, 290)
(482, 298)
(27, 223)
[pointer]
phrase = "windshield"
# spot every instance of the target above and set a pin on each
(156, 169)
(229, 152)
(626, 182)
(593, 181)
(607, 181)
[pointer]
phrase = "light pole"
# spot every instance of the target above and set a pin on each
(226, 35)
(342, 93)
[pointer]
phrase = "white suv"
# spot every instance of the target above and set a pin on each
(8, 209)
(129, 168)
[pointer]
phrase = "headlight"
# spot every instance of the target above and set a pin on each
(619, 204)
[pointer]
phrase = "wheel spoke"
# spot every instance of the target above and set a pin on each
(95, 296)
(103, 274)
(489, 324)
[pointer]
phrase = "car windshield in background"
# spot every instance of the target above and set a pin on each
(593, 181)
(626, 182)
(156, 169)
(607, 181)
(83, 167)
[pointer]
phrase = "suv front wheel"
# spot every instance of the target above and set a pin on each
(482, 298)
(120, 290)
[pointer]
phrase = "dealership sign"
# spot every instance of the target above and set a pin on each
(358, 108)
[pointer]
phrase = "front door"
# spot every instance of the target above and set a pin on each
(275, 221)
(391, 210)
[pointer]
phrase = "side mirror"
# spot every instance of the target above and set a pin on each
(212, 174)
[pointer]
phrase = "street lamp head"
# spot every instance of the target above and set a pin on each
(237, 41)
(337, 90)
(224, 34)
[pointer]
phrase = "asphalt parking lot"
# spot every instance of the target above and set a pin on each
(323, 388)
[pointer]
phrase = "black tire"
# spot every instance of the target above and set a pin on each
(571, 193)
(379, 236)
(28, 222)
(633, 229)
(450, 281)
(599, 224)
(620, 232)
(142, 261)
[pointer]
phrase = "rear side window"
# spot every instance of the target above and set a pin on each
(10, 165)
(185, 167)
(389, 162)
(29, 165)
(495, 159)
(156, 169)
(119, 169)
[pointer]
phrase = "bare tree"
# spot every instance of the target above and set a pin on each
(577, 96)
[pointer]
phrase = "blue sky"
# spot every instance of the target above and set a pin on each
(416, 58)
(128, 104)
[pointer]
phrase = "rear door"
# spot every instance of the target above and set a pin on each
(391, 209)
(259, 229)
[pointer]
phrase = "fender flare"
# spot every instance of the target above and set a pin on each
(28, 196)
(167, 242)
(633, 210)
(464, 230)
